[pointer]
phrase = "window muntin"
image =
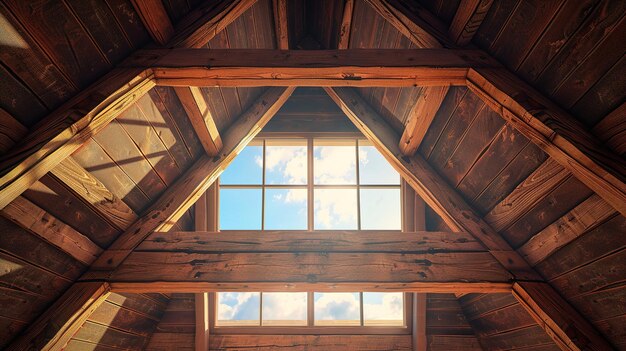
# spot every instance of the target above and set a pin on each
(310, 184)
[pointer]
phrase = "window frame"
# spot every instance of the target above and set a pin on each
(310, 186)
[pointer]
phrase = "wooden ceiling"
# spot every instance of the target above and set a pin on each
(56, 229)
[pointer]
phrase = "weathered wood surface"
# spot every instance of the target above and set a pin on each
(281, 26)
(568, 329)
(53, 329)
(346, 25)
(33, 218)
(11, 131)
(467, 19)
(201, 118)
(554, 131)
(177, 199)
(62, 132)
(420, 118)
(311, 342)
(87, 187)
(155, 19)
(302, 241)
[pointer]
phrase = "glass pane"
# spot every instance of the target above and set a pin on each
(337, 309)
(286, 209)
(381, 209)
(238, 308)
(383, 309)
(334, 161)
(240, 209)
(285, 162)
(335, 209)
(373, 167)
(247, 167)
(285, 309)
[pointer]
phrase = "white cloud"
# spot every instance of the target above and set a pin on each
(391, 308)
(335, 208)
(284, 306)
(238, 306)
(289, 161)
(335, 165)
(337, 306)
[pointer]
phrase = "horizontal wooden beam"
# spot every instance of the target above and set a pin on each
(260, 67)
(54, 328)
(304, 241)
(203, 286)
(201, 118)
(66, 129)
(557, 133)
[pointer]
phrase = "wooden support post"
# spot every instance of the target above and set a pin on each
(202, 299)
(468, 17)
(421, 116)
(281, 24)
(54, 328)
(346, 25)
(201, 118)
(419, 339)
(155, 19)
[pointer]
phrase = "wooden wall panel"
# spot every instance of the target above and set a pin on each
(34, 273)
(176, 329)
(324, 19)
(443, 9)
(446, 325)
(501, 323)
(123, 321)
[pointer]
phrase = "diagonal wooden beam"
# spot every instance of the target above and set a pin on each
(420, 118)
(346, 25)
(155, 19)
(281, 24)
(55, 327)
(557, 133)
(177, 199)
(11, 131)
(201, 118)
(41, 223)
(467, 19)
(204, 22)
(457, 214)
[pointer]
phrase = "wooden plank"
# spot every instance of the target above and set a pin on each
(63, 131)
(612, 129)
(54, 328)
(31, 217)
(346, 25)
(202, 338)
(155, 19)
(203, 23)
(87, 187)
(281, 26)
(11, 131)
(554, 131)
(568, 329)
(303, 241)
(468, 18)
(311, 342)
(177, 199)
(457, 214)
(421, 116)
(201, 118)
(586, 216)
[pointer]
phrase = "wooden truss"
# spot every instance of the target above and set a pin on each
(483, 262)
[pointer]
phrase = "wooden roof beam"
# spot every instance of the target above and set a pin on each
(458, 215)
(346, 25)
(54, 328)
(155, 19)
(421, 116)
(281, 24)
(201, 118)
(468, 17)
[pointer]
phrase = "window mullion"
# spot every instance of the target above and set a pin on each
(263, 190)
(310, 203)
(361, 308)
(310, 315)
(358, 189)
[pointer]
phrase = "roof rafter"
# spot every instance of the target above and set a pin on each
(155, 19)
(201, 118)
(281, 24)
(459, 215)
(468, 17)
(346, 25)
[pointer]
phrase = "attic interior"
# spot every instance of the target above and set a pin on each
(501, 125)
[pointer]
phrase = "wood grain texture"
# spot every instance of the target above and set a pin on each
(311, 342)
(420, 118)
(467, 19)
(177, 199)
(281, 24)
(346, 25)
(31, 217)
(11, 131)
(155, 19)
(201, 118)
(554, 131)
(53, 329)
(612, 130)
(93, 192)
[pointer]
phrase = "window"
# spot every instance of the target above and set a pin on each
(313, 310)
(310, 184)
